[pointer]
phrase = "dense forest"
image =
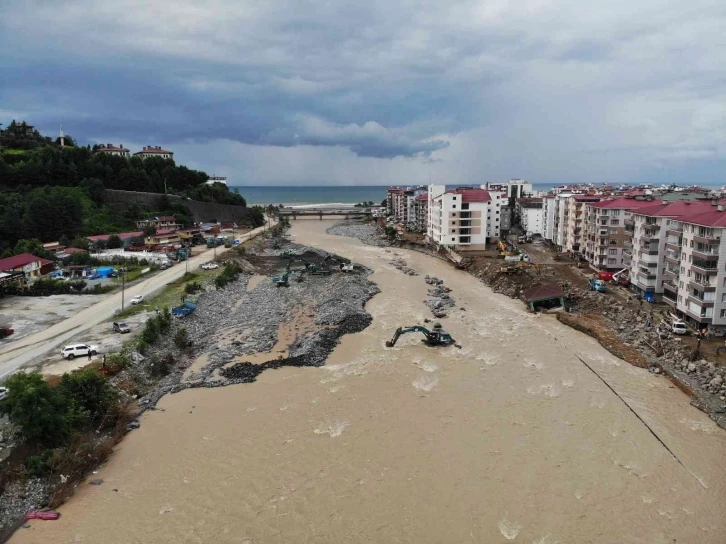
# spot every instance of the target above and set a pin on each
(48, 191)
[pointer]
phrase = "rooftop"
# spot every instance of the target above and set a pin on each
(122, 235)
(543, 292)
(20, 260)
(471, 195)
(153, 149)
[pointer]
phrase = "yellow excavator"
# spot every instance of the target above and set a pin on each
(503, 249)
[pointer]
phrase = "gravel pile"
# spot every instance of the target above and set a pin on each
(19, 497)
(439, 298)
(368, 234)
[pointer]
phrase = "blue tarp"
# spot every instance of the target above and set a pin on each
(104, 271)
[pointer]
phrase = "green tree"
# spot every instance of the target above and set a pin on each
(90, 395)
(81, 243)
(114, 242)
(40, 412)
(33, 246)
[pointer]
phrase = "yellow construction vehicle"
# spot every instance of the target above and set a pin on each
(519, 267)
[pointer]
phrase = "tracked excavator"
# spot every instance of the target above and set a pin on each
(435, 337)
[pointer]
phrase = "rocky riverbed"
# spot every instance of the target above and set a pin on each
(366, 233)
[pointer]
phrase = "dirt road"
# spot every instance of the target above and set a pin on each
(20, 353)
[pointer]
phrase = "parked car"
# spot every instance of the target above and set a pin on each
(679, 327)
(3, 393)
(209, 266)
(138, 299)
(121, 327)
(78, 350)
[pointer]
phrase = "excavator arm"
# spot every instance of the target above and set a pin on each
(404, 330)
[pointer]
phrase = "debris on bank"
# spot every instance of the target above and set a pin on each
(400, 264)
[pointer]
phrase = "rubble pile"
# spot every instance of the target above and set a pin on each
(650, 334)
(439, 298)
(401, 265)
(366, 233)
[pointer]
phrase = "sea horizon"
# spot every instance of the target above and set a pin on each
(301, 196)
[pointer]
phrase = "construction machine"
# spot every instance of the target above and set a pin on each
(282, 281)
(519, 267)
(622, 277)
(435, 337)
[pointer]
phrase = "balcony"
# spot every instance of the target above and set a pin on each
(649, 275)
(628, 251)
(671, 274)
(700, 318)
(705, 252)
(674, 242)
(705, 267)
(706, 238)
(703, 285)
(671, 286)
(701, 302)
(668, 300)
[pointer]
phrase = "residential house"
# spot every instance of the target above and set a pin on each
(160, 222)
(31, 266)
(110, 149)
(163, 236)
(154, 151)
(211, 180)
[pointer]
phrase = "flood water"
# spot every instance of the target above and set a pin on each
(510, 439)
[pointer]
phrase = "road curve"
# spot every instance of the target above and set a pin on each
(17, 354)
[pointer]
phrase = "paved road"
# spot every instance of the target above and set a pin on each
(16, 354)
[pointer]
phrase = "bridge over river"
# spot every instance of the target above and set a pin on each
(325, 212)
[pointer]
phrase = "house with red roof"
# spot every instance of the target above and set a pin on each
(464, 218)
(154, 151)
(159, 222)
(31, 266)
(110, 149)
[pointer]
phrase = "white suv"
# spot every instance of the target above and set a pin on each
(78, 350)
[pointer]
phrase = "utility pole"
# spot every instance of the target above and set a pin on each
(123, 288)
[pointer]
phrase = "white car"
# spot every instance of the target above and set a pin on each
(3, 393)
(209, 266)
(679, 327)
(78, 350)
(138, 299)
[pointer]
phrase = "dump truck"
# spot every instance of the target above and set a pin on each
(597, 285)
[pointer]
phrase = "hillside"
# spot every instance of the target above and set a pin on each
(48, 191)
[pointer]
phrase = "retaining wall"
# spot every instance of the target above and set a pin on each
(201, 211)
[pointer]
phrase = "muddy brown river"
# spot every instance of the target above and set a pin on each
(510, 439)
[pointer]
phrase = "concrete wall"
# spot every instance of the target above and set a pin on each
(201, 211)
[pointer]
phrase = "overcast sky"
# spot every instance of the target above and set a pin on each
(378, 92)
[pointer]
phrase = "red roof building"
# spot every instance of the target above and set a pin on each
(123, 235)
(471, 195)
(26, 263)
(154, 151)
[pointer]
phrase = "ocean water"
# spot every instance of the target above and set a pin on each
(304, 196)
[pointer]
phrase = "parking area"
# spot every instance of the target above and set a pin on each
(102, 335)
(27, 315)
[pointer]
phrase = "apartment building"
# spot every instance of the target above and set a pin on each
(401, 204)
(573, 221)
(464, 218)
(676, 257)
(110, 149)
(548, 217)
(530, 214)
(421, 212)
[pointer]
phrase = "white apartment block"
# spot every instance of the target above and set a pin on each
(548, 217)
(464, 218)
(676, 256)
(531, 215)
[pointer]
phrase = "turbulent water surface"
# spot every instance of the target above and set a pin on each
(510, 439)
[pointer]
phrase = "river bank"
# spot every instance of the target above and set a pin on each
(535, 447)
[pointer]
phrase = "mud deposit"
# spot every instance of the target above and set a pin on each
(510, 439)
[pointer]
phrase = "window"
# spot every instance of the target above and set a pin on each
(454, 206)
(611, 261)
(680, 284)
(615, 213)
(680, 299)
(723, 298)
(615, 222)
(682, 270)
(613, 231)
(612, 251)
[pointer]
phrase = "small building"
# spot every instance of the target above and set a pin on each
(126, 237)
(27, 263)
(55, 247)
(110, 149)
(159, 222)
(12, 279)
(545, 297)
(67, 252)
(154, 151)
(217, 179)
(163, 237)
